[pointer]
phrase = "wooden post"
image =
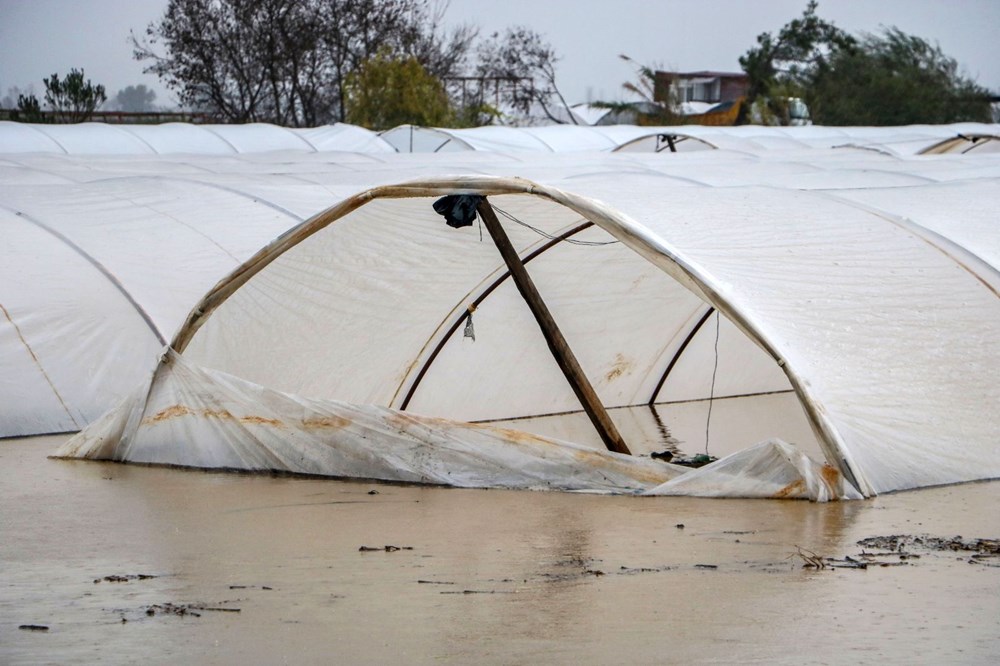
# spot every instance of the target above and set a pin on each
(553, 336)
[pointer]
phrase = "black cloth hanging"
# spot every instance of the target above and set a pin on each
(459, 210)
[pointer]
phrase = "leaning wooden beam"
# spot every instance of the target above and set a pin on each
(553, 336)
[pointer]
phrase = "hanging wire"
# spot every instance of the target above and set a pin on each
(538, 231)
(711, 393)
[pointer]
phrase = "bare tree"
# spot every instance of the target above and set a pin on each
(287, 61)
(521, 54)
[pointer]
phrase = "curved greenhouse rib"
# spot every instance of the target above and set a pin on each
(680, 352)
(48, 136)
(9, 159)
(483, 295)
(678, 137)
(135, 137)
(982, 270)
(208, 129)
(310, 144)
(952, 143)
(633, 235)
(96, 264)
(257, 199)
(38, 363)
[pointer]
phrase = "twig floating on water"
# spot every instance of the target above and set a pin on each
(33, 627)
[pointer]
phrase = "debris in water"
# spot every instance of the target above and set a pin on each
(624, 570)
(33, 627)
(900, 542)
(388, 549)
(183, 610)
(123, 578)
(699, 460)
(812, 560)
(896, 551)
(706, 566)
(850, 563)
(373, 492)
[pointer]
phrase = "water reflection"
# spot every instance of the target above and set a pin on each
(681, 428)
(529, 559)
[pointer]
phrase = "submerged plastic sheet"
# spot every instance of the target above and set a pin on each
(195, 417)
(771, 469)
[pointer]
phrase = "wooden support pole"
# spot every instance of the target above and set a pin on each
(553, 336)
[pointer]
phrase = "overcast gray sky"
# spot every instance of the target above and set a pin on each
(39, 37)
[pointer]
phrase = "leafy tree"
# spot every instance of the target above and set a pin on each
(887, 79)
(287, 61)
(894, 79)
(386, 92)
(28, 110)
(73, 99)
(135, 99)
(783, 65)
(525, 63)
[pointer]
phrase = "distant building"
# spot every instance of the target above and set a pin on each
(705, 87)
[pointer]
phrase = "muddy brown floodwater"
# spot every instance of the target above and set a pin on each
(125, 564)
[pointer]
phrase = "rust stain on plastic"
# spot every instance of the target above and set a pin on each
(831, 475)
(326, 422)
(403, 421)
(620, 367)
(643, 474)
(260, 420)
(168, 413)
(217, 414)
(510, 434)
(177, 411)
(793, 489)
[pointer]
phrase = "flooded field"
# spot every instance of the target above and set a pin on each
(125, 564)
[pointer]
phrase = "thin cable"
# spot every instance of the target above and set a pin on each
(711, 392)
(547, 235)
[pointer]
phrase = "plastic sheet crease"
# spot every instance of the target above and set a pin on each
(195, 417)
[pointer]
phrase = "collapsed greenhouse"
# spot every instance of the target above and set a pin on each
(820, 318)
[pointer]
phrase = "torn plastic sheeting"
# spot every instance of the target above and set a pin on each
(195, 417)
(771, 469)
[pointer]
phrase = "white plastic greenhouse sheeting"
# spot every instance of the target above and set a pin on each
(751, 138)
(179, 138)
(109, 253)
(228, 423)
(415, 139)
(769, 469)
(175, 138)
(96, 278)
(837, 294)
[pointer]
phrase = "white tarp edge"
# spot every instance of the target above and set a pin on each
(770, 469)
(196, 417)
